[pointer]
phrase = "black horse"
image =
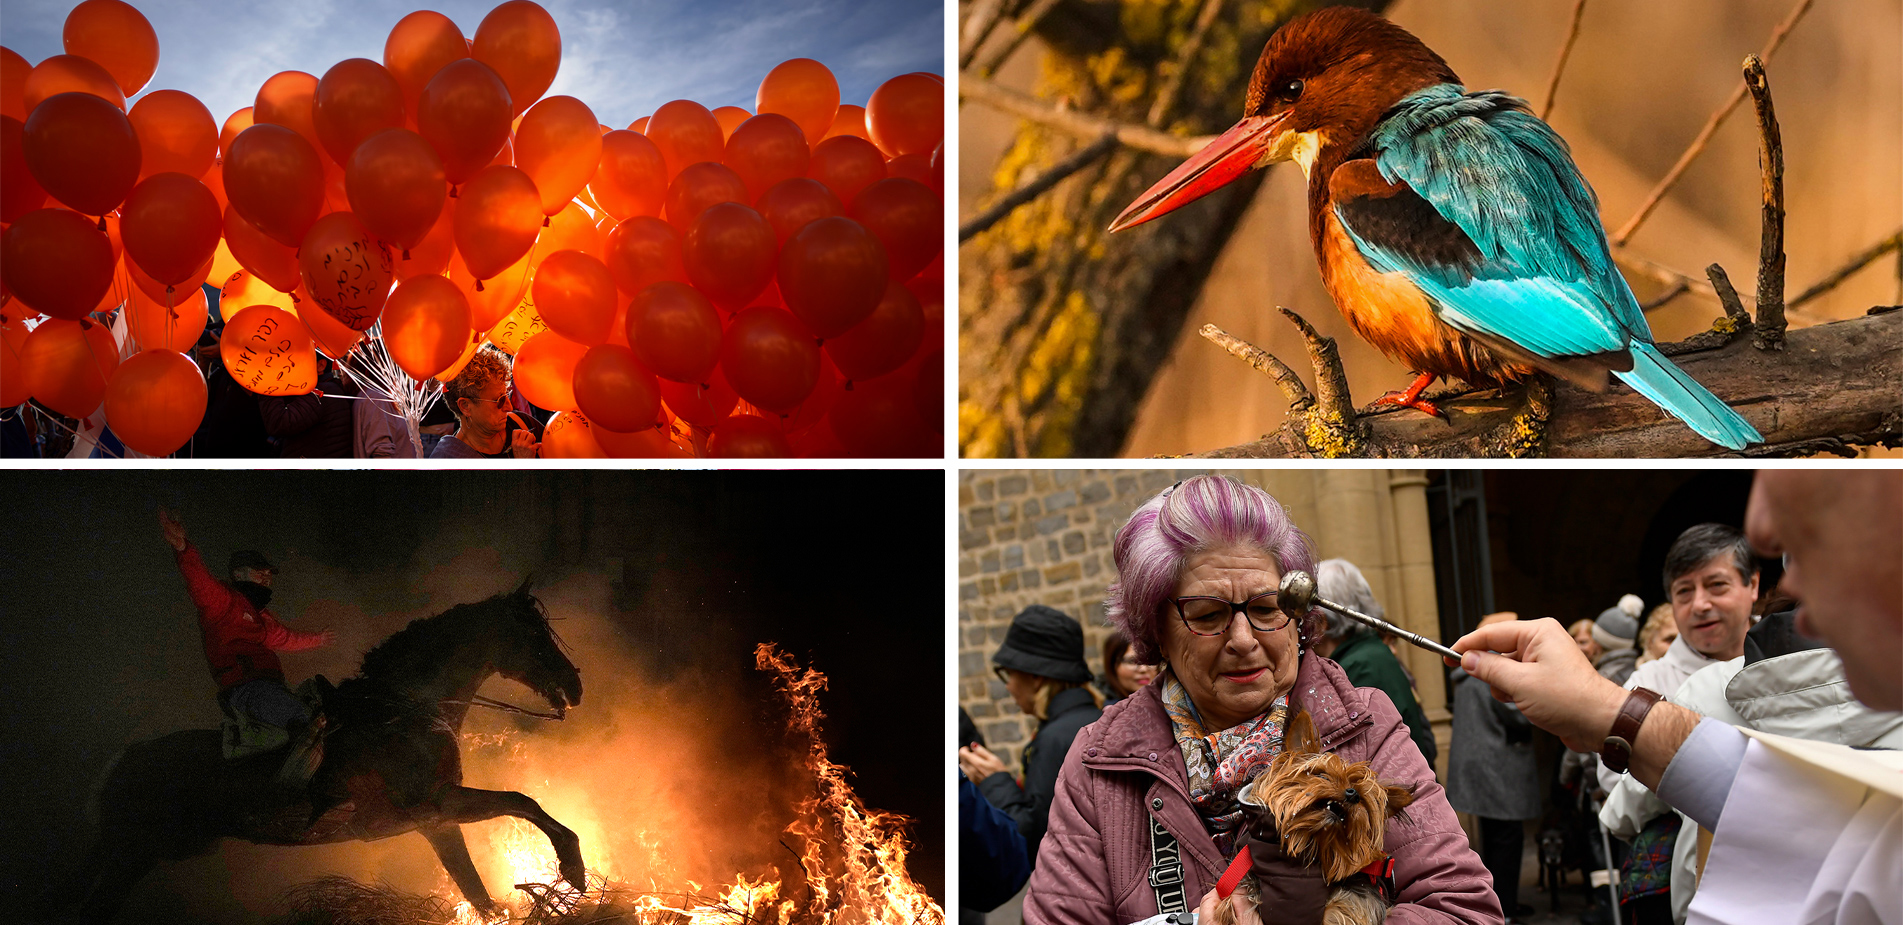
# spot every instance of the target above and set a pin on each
(391, 764)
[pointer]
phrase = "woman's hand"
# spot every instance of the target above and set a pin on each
(1244, 908)
(524, 445)
(979, 763)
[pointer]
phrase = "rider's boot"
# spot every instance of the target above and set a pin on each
(306, 753)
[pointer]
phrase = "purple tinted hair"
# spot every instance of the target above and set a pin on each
(1192, 516)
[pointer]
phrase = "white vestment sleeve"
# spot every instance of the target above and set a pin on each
(1700, 773)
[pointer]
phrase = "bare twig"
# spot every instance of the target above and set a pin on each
(1770, 321)
(1299, 398)
(1678, 288)
(982, 18)
(985, 65)
(1728, 296)
(1029, 191)
(1185, 56)
(1331, 379)
(1565, 51)
(1698, 144)
(1850, 267)
(1077, 123)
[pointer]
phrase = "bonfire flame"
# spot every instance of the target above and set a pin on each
(852, 856)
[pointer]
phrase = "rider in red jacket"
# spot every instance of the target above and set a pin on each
(241, 637)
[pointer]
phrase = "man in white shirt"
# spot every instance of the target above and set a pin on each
(1803, 832)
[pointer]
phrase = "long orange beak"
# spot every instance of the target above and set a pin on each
(1232, 154)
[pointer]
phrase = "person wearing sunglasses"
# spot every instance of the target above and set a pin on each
(1148, 811)
(485, 427)
(1041, 664)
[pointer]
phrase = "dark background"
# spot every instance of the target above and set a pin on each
(843, 569)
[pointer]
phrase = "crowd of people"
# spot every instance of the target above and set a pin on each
(1129, 802)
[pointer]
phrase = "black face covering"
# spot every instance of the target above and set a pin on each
(257, 594)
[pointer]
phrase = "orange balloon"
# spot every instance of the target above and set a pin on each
(686, 133)
(832, 274)
(432, 256)
(652, 443)
(19, 192)
(244, 289)
(275, 179)
(289, 98)
(847, 164)
(13, 74)
(928, 392)
(700, 404)
(632, 178)
(570, 435)
(151, 324)
(545, 370)
(464, 114)
(884, 341)
(748, 436)
(909, 220)
(770, 358)
(643, 251)
(497, 219)
(214, 180)
(803, 90)
(576, 296)
(674, 330)
(56, 261)
(356, 99)
(396, 186)
(223, 264)
(791, 204)
(729, 254)
(469, 351)
(730, 118)
(815, 407)
(520, 40)
(558, 144)
(117, 36)
(571, 229)
(426, 325)
(615, 391)
(176, 134)
(157, 290)
(699, 186)
(499, 295)
(517, 327)
(156, 401)
(13, 333)
(929, 289)
(257, 252)
(82, 151)
(69, 74)
(235, 124)
(906, 115)
(170, 225)
(67, 365)
(332, 337)
(640, 126)
(915, 167)
(268, 351)
(765, 150)
(346, 271)
(421, 44)
(879, 418)
(850, 121)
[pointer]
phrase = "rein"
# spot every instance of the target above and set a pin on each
(478, 700)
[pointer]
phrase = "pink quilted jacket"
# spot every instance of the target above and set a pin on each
(1093, 867)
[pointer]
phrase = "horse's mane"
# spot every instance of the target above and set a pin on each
(433, 634)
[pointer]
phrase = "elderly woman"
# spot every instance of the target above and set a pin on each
(1658, 634)
(485, 427)
(1146, 816)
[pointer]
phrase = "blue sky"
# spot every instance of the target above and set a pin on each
(622, 59)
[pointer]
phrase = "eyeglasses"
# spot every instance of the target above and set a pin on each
(1003, 673)
(1211, 616)
(500, 401)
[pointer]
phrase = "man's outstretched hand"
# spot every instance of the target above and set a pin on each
(173, 530)
(1535, 664)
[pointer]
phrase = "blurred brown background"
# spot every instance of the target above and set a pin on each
(1642, 79)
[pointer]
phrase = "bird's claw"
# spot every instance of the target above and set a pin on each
(1411, 400)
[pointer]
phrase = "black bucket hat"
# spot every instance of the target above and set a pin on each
(249, 558)
(1044, 642)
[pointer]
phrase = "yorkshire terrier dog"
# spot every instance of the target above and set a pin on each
(1329, 813)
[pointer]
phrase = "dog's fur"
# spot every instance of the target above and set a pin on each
(1329, 813)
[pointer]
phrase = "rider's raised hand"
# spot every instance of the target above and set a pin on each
(173, 530)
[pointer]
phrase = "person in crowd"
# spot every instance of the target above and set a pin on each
(320, 424)
(1358, 649)
(1657, 634)
(1581, 631)
(1817, 833)
(992, 861)
(1147, 814)
(1493, 774)
(480, 397)
(233, 426)
(1122, 673)
(1041, 663)
(1616, 632)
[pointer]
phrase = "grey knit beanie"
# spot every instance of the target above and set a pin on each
(1614, 629)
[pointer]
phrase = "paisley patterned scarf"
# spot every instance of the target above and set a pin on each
(1221, 761)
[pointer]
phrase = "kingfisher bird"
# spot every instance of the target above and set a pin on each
(1452, 227)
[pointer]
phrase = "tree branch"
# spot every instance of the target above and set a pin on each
(1080, 124)
(1173, 81)
(1801, 399)
(1029, 191)
(1020, 30)
(1850, 267)
(1565, 51)
(1769, 334)
(1698, 144)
